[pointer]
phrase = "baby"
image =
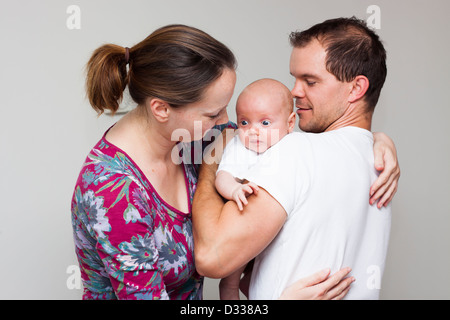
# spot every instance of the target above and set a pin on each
(265, 115)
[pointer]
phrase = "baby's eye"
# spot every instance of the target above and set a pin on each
(244, 122)
(265, 122)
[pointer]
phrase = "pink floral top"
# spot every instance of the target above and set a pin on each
(129, 242)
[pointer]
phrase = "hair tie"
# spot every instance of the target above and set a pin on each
(127, 55)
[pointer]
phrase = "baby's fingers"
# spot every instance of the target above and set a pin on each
(239, 204)
(237, 199)
(243, 198)
(254, 187)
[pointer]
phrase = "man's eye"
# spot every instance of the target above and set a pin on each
(310, 83)
(265, 122)
(244, 122)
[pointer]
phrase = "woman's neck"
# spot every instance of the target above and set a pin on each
(139, 134)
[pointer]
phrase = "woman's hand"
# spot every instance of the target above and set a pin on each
(384, 188)
(319, 287)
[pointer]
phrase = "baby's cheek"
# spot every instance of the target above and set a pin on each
(273, 137)
(242, 137)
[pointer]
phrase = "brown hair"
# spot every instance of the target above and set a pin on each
(352, 49)
(176, 63)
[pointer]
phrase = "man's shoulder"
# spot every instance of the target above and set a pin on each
(295, 141)
(310, 138)
(292, 150)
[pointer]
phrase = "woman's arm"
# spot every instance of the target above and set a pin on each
(384, 188)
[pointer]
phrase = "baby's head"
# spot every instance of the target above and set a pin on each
(265, 114)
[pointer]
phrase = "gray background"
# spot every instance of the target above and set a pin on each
(47, 126)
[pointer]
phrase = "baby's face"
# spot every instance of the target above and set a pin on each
(261, 124)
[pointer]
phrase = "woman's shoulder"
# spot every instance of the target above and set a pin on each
(110, 180)
(108, 164)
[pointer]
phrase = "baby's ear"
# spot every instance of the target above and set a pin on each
(291, 122)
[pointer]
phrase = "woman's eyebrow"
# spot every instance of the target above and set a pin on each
(216, 112)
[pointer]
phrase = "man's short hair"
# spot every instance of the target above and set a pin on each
(352, 49)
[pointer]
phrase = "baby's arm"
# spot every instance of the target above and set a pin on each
(231, 189)
(229, 286)
(225, 184)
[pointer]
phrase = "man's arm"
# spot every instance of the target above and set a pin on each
(226, 238)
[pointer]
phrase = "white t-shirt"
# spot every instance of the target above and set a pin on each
(323, 182)
(238, 160)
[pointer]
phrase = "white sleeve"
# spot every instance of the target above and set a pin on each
(282, 172)
(236, 158)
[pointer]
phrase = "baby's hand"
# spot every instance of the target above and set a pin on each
(242, 191)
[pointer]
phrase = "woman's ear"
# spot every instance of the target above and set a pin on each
(159, 108)
(359, 88)
(291, 122)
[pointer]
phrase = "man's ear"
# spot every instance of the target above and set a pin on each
(291, 122)
(159, 108)
(359, 88)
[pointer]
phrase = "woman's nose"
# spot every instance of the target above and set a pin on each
(223, 119)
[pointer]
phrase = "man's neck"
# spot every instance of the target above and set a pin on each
(355, 116)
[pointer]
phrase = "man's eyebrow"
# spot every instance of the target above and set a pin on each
(305, 75)
(309, 76)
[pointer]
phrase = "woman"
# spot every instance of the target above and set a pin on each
(131, 208)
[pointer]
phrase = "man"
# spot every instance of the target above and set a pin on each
(316, 207)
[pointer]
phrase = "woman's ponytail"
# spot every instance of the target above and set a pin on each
(107, 77)
(176, 63)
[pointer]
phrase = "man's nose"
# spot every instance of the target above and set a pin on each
(298, 91)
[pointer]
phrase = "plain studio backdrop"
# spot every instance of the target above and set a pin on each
(47, 126)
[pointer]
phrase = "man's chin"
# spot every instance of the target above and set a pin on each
(309, 128)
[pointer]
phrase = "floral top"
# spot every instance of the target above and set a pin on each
(129, 242)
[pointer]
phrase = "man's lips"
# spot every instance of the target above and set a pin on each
(302, 109)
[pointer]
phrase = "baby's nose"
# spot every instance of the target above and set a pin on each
(254, 130)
